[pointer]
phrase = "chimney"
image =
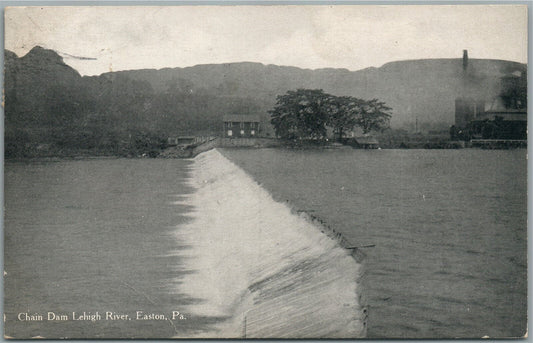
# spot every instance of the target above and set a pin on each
(465, 60)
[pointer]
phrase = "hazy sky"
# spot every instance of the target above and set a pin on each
(352, 37)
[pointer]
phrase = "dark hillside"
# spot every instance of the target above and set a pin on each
(51, 109)
(423, 89)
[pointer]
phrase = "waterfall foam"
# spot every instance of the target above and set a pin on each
(269, 271)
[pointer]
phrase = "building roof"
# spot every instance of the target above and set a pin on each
(366, 140)
(247, 118)
(505, 111)
(509, 115)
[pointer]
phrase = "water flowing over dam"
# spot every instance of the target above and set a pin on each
(269, 271)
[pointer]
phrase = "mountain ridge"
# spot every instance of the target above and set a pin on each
(423, 90)
(36, 49)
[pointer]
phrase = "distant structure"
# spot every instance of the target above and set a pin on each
(187, 140)
(465, 60)
(504, 124)
(183, 140)
(467, 109)
(367, 142)
(503, 118)
(361, 141)
(241, 126)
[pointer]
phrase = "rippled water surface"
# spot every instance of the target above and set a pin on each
(95, 236)
(445, 236)
(449, 229)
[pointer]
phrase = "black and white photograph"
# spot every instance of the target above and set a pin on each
(265, 171)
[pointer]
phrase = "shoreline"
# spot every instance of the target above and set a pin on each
(63, 158)
(193, 154)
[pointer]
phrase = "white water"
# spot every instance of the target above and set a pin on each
(270, 271)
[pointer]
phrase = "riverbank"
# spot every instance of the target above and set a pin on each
(191, 150)
(268, 270)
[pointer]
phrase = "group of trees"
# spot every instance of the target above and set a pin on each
(50, 110)
(61, 114)
(514, 89)
(308, 113)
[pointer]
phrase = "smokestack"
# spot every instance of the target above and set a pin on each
(465, 60)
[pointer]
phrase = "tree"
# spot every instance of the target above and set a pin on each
(514, 91)
(306, 113)
(344, 114)
(301, 114)
(375, 115)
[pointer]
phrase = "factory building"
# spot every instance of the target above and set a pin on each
(501, 118)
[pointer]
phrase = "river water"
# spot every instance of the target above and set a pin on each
(449, 229)
(446, 234)
(95, 236)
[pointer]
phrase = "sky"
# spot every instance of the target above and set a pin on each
(98, 39)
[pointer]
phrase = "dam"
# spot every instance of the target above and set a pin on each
(268, 270)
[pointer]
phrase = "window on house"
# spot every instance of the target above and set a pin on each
(252, 125)
(242, 125)
(229, 124)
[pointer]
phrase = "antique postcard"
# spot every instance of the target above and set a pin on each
(275, 171)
